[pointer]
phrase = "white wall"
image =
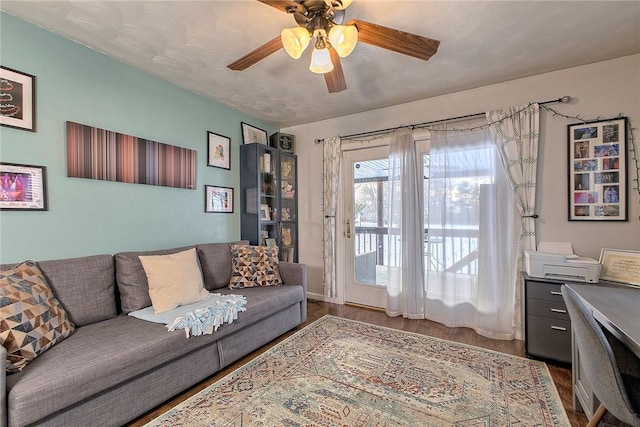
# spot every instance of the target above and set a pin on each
(603, 89)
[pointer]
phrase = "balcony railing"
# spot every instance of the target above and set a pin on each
(456, 252)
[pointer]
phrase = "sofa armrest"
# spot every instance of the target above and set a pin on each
(296, 274)
(3, 387)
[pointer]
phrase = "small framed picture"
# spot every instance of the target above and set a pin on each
(18, 91)
(23, 187)
(621, 266)
(251, 134)
(219, 149)
(271, 242)
(598, 170)
(218, 199)
(265, 212)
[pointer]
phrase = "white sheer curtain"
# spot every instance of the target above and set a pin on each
(472, 241)
(405, 255)
(330, 180)
(515, 133)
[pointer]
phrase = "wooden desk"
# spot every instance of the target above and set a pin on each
(616, 308)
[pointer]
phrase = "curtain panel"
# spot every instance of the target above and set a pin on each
(471, 234)
(330, 181)
(405, 257)
(515, 133)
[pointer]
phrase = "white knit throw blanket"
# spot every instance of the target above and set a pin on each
(207, 320)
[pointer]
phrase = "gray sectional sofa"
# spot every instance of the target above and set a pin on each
(114, 367)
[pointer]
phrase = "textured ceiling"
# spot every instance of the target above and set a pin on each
(190, 43)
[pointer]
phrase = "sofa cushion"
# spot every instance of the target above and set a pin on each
(84, 286)
(215, 261)
(31, 319)
(254, 266)
(131, 279)
(174, 280)
(105, 354)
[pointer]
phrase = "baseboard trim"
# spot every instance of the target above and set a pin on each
(314, 296)
(368, 307)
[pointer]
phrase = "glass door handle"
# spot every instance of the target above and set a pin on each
(348, 232)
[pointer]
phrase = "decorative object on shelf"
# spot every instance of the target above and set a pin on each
(219, 148)
(283, 141)
(289, 255)
(111, 156)
(23, 187)
(323, 21)
(18, 100)
(287, 168)
(286, 236)
(251, 134)
(271, 242)
(622, 266)
(218, 199)
(598, 170)
(265, 212)
(265, 163)
(286, 214)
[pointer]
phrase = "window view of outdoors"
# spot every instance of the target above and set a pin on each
(370, 212)
(451, 221)
(452, 209)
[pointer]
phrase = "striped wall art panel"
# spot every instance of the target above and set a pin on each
(106, 155)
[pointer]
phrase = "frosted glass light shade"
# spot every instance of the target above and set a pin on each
(295, 41)
(321, 61)
(343, 38)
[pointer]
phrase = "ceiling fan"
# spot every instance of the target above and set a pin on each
(323, 20)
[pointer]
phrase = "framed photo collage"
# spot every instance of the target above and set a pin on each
(598, 171)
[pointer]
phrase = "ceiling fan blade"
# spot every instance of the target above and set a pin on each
(282, 5)
(395, 40)
(335, 78)
(257, 55)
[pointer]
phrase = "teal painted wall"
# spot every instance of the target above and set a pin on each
(92, 217)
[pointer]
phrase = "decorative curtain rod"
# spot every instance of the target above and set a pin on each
(564, 100)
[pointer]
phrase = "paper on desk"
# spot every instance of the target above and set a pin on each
(561, 248)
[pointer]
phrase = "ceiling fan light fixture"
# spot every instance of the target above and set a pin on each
(344, 39)
(295, 41)
(338, 4)
(321, 61)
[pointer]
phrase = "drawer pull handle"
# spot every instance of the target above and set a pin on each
(557, 310)
(555, 293)
(558, 328)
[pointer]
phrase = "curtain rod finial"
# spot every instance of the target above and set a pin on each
(565, 99)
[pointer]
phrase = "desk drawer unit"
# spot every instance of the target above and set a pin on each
(548, 327)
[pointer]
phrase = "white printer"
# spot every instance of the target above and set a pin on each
(560, 263)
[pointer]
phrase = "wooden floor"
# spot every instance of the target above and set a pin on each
(316, 309)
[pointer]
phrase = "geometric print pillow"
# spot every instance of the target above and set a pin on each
(254, 266)
(31, 318)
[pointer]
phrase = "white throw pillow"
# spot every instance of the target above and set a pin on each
(174, 279)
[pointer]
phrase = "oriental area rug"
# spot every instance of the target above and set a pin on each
(339, 372)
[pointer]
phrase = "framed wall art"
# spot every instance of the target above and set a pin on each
(218, 199)
(23, 187)
(18, 103)
(96, 153)
(621, 266)
(251, 134)
(598, 170)
(219, 149)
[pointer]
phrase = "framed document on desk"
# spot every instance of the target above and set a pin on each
(621, 266)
